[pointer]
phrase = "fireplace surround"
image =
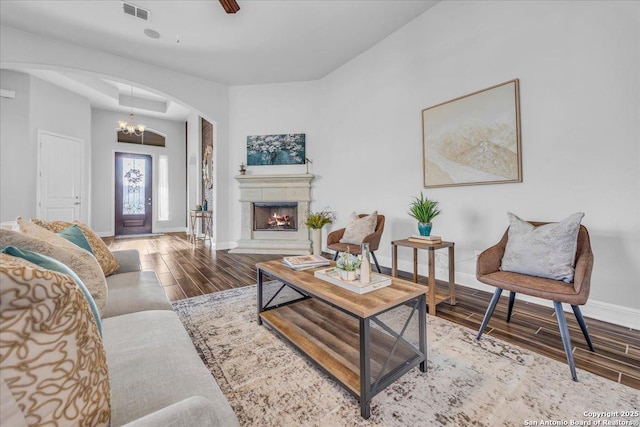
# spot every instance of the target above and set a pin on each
(287, 236)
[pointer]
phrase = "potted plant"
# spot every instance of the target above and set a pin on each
(315, 221)
(424, 210)
(347, 264)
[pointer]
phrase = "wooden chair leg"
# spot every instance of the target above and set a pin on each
(583, 326)
(335, 256)
(375, 260)
(489, 313)
(566, 340)
(512, 299)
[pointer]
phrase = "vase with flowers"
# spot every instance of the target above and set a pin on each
(315, 221)
(347, 264)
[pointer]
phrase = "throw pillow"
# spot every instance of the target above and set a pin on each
(80, 261)
(359, 228)
(55, 265)
(546, 251)
(52, 359)
(75, 236)
(107, 261)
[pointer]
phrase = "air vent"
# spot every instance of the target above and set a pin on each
(136, 11)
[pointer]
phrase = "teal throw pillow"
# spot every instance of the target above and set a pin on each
(75, 236)
(55, 265)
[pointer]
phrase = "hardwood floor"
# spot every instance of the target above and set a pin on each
(186, 272)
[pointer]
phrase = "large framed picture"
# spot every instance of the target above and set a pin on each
(284, 149)
(473, 139)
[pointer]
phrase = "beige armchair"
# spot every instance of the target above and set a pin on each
(333, 241)
(576, 293)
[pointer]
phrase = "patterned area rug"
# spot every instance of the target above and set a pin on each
(468, 383)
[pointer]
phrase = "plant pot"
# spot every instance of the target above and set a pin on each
(316, 234)
(424, 228)
(348, 275)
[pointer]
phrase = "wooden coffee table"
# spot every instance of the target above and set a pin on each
(333, 328)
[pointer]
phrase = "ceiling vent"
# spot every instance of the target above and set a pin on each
(136, 11)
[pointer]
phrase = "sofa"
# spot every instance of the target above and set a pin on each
(149, 372)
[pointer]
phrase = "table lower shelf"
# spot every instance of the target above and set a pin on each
(331, 339)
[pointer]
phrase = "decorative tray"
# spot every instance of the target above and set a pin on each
(332, 276)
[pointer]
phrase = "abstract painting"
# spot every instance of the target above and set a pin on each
(287, 149)
(473, 139)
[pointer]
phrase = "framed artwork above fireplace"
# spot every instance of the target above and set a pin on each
(284, 149)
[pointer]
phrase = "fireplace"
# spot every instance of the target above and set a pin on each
(273, 208)
(275, 216)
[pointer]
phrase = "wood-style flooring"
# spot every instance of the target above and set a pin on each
(185, 272)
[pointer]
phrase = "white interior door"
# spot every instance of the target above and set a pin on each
(60, 181)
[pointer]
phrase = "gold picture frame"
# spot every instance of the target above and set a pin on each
(473, 139)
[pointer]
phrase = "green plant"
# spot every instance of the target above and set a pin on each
(424, 209)
(347, 261)
(317, 220)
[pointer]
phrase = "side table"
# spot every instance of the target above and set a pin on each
(432, 298)
(207, 220)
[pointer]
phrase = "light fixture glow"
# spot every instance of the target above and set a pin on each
(130, 127)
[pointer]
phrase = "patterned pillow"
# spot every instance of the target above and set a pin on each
(546, 251)
(106, 259)
(51, 356)
(80, 261)
(359, 228)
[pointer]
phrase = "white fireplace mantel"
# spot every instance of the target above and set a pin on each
(274, 188)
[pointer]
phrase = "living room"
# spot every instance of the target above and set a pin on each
(578, 65)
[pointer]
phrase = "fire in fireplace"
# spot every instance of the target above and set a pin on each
(275, 216)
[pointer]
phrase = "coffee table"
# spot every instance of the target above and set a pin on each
(345, 334)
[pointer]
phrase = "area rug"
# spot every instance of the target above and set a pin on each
(468, 383)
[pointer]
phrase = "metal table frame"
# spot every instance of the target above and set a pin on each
(367, 389)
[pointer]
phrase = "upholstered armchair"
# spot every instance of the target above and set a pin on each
(333, 241)
(575, 293)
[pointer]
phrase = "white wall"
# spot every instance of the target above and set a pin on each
(579, 71)
(104, 124)
(17, 152)
(267, 110)
(50, 108)
(209, 99)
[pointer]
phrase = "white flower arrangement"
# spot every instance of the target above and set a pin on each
(347, 262)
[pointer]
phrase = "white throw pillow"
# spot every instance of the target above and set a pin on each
(546, 251)
(359, 228)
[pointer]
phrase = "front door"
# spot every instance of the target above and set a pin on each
(133, 194)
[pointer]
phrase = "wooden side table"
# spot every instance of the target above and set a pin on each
(207, 219)
(432, 298)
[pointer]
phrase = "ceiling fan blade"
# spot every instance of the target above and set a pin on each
(230, 6)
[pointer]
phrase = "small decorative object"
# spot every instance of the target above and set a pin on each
(198, 207)
(287, 149)
(347, 264)
(306, 162)
(243, 170)
(424, 210)
(315, 221)
(473, 139)
(365, 264)
(205, 205)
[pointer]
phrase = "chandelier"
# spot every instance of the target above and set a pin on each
(130, 128)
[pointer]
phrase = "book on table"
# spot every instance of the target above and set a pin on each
(428, 240)
(303, 262)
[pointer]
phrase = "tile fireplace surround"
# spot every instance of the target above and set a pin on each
(274, 188)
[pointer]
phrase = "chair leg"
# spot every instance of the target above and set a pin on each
(335, 256)
(566, 340)
(512, 299)
(489, 313)
(373, 254)
(583, 326)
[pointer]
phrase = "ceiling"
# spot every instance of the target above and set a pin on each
(267, 41)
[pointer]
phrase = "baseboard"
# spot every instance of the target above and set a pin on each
(225, 245)
(599, 310)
